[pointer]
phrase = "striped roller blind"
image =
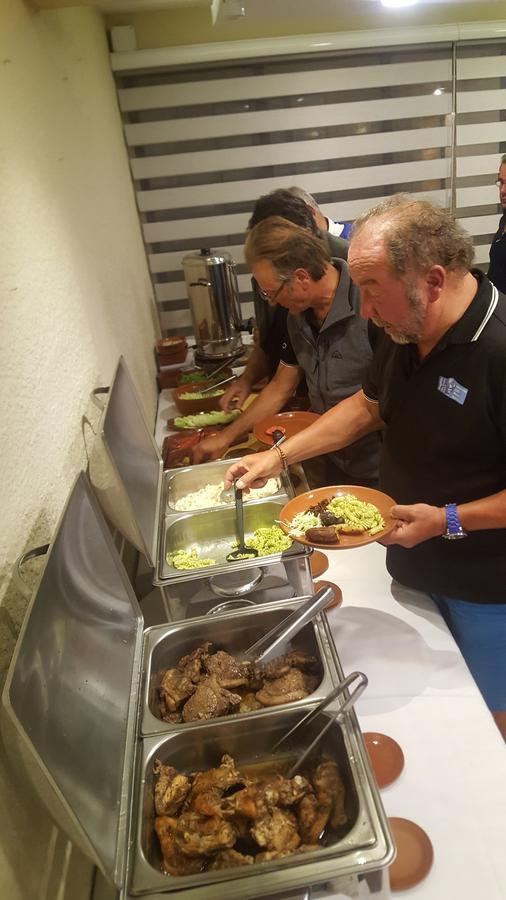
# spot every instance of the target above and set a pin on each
(480, 139)
(205, 143)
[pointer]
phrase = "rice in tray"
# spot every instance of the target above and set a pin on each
(210, 496)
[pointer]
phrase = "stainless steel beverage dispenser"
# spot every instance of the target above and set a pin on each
(211, 283)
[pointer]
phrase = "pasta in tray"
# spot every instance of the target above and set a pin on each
(210, 496)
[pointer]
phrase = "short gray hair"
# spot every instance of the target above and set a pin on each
(418, 235)
(503, 160)
(308, 199)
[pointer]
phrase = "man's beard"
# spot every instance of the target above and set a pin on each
(412, 334)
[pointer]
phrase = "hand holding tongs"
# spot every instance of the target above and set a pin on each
(269, 645)
(335, 717)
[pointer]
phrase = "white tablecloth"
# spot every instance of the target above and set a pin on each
(421, 693)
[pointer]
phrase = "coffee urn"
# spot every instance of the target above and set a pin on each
(211, 283)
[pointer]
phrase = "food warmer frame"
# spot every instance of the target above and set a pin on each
(72, 713)
(126, 471)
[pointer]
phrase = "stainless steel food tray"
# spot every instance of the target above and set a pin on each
(165, 645)
(364, 845)
(72, 704)
(213, 532)
(126, 471)
(225, 592)
(183, 481)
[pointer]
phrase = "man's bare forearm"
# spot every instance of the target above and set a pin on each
(268, 402)
(257, 367)
(488, 512)
(335, 429)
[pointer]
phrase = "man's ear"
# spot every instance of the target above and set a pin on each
(301, 276)
(435, 279)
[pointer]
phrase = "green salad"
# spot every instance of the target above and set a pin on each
(199, 420)
(192, 377)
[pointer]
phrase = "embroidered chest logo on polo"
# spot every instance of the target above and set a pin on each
(452, 389)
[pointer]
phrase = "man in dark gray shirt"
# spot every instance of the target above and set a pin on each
(326, 340)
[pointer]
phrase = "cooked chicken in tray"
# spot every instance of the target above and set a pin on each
(207, 684)
(225, 817)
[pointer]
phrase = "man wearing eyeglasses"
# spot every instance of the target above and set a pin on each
(326, 340)
(497, 268)
(271, 319)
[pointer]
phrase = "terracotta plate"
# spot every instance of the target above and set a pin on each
(338, 599)
(387, 758)
(304, 501)
(318, 563)
(292, 422)
(415, 854)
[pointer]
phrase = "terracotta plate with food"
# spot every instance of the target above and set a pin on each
(338, 517)
(288, 423)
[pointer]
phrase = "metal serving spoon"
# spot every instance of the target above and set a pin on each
(242, 549)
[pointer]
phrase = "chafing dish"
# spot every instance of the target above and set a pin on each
(126, 471)
(180, 482)
(166, 644)
(226, 591)
(363, 844)
(72, 704)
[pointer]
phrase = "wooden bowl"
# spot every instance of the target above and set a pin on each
(225, 373)
(187, 406)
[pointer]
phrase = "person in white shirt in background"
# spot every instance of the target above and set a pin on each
(338, 229)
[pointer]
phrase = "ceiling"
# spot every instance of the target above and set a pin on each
(264, 10)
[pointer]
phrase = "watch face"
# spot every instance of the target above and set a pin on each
(455, 537)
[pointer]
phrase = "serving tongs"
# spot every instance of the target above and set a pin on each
(212, 387)
(270, 644)
(337, 716)
(242, 551)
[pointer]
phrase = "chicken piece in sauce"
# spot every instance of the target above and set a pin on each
(277, 830)
(294, 685)
(174, 861)
(231, 818)
(210, 700)
(171, 789)
(324, 806)
(228, 672)
(228, 859)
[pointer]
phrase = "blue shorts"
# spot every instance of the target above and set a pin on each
(479, 629)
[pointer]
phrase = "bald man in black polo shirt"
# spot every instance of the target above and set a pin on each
(437, 388)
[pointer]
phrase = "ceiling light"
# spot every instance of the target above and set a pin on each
(438, 91)
(398, 4)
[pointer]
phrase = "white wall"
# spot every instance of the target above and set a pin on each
(74, 294)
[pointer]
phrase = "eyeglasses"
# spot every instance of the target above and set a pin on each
(500, 183)
(272, 297)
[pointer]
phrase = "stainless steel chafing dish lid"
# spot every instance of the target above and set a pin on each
(126, 468)
(70, 695)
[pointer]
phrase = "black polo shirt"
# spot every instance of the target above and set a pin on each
(497, 253)
(445, 441)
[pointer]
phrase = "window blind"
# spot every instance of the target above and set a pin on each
(480, 139)
(206, 142)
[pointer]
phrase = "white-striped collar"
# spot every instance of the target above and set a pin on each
(492, 305)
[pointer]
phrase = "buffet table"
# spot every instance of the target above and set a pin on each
(421, 694)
